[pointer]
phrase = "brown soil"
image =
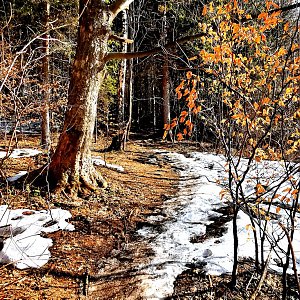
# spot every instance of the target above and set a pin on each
(99, 259)
(105, 225)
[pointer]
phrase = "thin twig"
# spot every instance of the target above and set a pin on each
(262, 278)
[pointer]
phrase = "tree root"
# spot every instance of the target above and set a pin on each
(67, 184)
(82, 185)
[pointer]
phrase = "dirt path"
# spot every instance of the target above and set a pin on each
(94, 261)
(102, 258)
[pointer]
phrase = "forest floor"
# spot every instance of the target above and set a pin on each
(105, 236)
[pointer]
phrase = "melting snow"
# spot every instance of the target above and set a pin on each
(197, 202)
(19, 153)
(17, 176)
(98, 161)
(20, 232)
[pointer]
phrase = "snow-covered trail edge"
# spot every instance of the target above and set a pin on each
(197, 202)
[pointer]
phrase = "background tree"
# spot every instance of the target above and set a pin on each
(24, 61)
(45, 124)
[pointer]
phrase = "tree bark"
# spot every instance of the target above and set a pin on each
(122, 73)
(45, 136)
(165, 73)
(166, 91)
(71, 167)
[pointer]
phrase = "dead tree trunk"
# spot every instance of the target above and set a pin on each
(125, 91)
(165, 73)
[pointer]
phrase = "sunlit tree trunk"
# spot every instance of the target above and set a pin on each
(71, 167)
(123, 72)
(130, 103)
(166, 91)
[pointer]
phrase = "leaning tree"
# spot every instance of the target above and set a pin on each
(71, 168)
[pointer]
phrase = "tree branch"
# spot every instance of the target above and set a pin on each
(129, 55)
(282, 9)
(286, 8)
(120, 39)
(118, 6)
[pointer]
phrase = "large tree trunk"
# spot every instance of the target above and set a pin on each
(71, 166)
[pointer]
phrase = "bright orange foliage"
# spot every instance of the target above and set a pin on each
(256, 80)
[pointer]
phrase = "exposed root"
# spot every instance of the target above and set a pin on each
(81, 185)
(68, 184)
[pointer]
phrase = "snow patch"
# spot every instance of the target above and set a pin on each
(20, 235)
(17, 176)
(19, 153)
(98, 161)
(201, 179)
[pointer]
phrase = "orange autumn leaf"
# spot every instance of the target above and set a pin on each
(180, 137)
(257, 39)
(271, 3)
(235, 4)
(257, 158)
(249, 227)
(237, 116)
(223, 193)
(259, 189)
(193, 58)
(197, 110)
(191, 104)
(265, 100)
(286, 26)
(184, 113)
(174, 123)
(204, 12)
(256, 106)
(186, 92)
(188, 123)
(167, 126)
(236, 28)
(189, 75)
(183, 116)
(262, 16)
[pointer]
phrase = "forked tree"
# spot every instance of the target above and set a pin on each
(71, 167)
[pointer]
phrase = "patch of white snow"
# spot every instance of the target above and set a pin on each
(20, 231)
(190, 212)
(19, 153)
(98, 161)
(17, 176)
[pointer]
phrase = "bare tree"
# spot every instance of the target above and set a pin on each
(45, 138)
